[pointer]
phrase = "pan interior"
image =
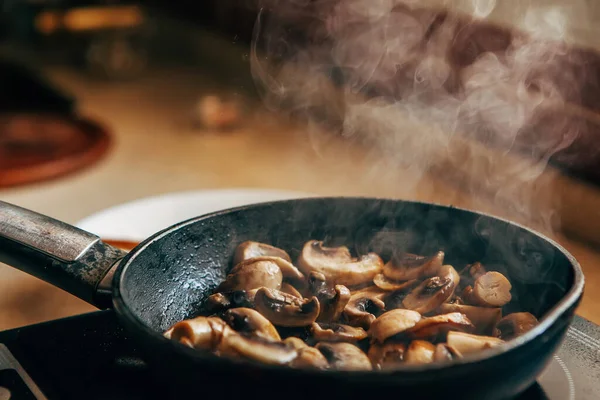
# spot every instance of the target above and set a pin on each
(171, 277)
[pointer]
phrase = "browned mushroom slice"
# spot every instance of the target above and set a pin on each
(257, 349)
(198, 333)
(333, 332)
(387, 355)
(484, 318)
(309, 357)
(439, 326)
(295, 342)
(443, 352)
(491, 289)
(289, 289)
(253, 274)
(220, 302)
(395, 298)
(384, 283)
(363, 307)
(249, 249)
(467, 343)
(419, 352)
(392, 323)
(248, 321)
(344, 356)
(433, 292)
(472, 271)
(332, 300)
(411, 266)
(285, 310)
(515, 324)
(338, 265)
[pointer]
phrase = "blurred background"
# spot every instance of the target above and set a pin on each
(491, 106)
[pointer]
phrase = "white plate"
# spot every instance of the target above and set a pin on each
(137, 220)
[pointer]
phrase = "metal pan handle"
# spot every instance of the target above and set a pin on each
(58, 253)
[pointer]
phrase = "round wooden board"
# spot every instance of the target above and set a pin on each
(40, 147)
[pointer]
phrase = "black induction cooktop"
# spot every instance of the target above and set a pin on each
(91, 357)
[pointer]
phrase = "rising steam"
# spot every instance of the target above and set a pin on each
(434, 87)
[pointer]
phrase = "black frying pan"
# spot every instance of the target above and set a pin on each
(168, 276)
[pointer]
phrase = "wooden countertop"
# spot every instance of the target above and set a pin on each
(157, 152)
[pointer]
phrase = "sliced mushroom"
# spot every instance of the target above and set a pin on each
(344, 356)
(467, 343)
(363, 307)
(516, 324)
(419, 352)
(491, 289)
(288, 270)
(332, 300)
(198, 333)
(289, 289)
(473, 271)
(334, 332)
(392, 323)
(395, 298)
(295, 342)
(220, 302)
(286, 310)
(257, 349)
(484, 318)
(249, 249)
(253, 274)
(249, 321)
(387, 355)
(433, 292)
(439, 326)
(310, 357)
(384, 283)
(338, 265)
(443, 352)
(411, 266)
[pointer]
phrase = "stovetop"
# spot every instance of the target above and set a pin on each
(91, 357)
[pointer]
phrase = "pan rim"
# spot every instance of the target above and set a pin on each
(571, 298)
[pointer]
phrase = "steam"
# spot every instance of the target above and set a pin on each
(439, 90)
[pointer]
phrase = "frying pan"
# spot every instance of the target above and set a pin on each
(167, 277)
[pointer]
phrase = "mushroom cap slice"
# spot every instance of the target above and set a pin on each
(395, 298)
(444, 352)
(433, 292)
(439, 325)
(467, 343)
(333, 306)
(285, 310)
(384, 283)
(473, 271)
(289, 289)
(410, 266)
(257, 349)
(309, 357)
(363, 307)
(334, 332)
(250, 249)
(338, 265)
(515, 324)
(344, 356)
(253, 274)
(419, 352)
(387, 355)
(220, 302)
(295, 342)
(198, 333)
(249, 321)
(491, 289)
(392, 323)
(484, 318)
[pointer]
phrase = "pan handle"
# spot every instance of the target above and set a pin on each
(58, 253)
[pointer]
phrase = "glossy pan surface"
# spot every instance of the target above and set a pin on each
(168, 277)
